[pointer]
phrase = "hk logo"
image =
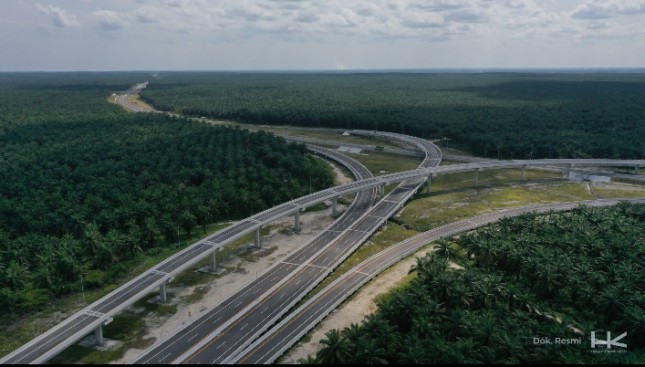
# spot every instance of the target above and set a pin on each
(609, 342)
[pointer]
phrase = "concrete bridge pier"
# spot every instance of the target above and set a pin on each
(477, 176)
(429, 184)
(163, 297)
(99, 339)
(637, 170)
(98, 334)
(258, 242)
(334, 206)
(212, 266)
(382, 191)
(522, 174)
(568, 170)
(296, 226)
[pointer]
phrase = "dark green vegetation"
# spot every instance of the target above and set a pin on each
(494, 115)
(85, 187)
(549, 276)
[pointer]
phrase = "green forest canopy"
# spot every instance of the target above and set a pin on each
(86, 186)
(533, 276)
(507, 115)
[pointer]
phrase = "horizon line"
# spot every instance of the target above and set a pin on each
(357, 70)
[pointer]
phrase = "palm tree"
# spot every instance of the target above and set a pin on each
(485, 329)
(370, 352)
(401, 310)
(16, 275)
(444, 249)
(468, 348)
(610, 302)
(151, 231)
(187, 220)
(93, 237)
(308, 360)
(419, 266)
(336, 349)
(66, 265)
(414, 351)
(353, 333)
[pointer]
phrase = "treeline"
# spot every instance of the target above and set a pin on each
(85, 186)
(524, 278)
(493, 115)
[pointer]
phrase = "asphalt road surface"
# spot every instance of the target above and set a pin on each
(181, 340)
(214, 342)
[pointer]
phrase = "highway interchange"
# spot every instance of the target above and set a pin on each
(221, 314)
(227, 329)
(213, 339)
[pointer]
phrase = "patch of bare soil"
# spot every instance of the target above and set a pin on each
(339, 176)
(137, 101)
(359, 305)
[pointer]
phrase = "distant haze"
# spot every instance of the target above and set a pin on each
(94, 35)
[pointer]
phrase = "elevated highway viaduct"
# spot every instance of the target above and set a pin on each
(99, 313)
(210, 342)
(91, 318)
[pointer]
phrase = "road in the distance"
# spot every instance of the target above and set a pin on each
(124, 99)
(282, 336)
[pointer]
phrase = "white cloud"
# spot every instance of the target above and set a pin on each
(289, 33)
(306, 17)
(143, 16)
(608, 31)
(602, 9)
(467, 16)
(108, 20)
(59, 17)
(423, 20)
(515, 4)
(439, 5)
(371, 20)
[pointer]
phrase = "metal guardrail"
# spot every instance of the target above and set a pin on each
(313, 284)
(426, 147)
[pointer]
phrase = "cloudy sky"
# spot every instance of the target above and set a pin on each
(67, 35)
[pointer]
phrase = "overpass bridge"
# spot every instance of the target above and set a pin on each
(211, 338)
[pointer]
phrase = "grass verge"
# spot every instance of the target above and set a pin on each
(453, 197)
(383, 163)
(126, 328)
